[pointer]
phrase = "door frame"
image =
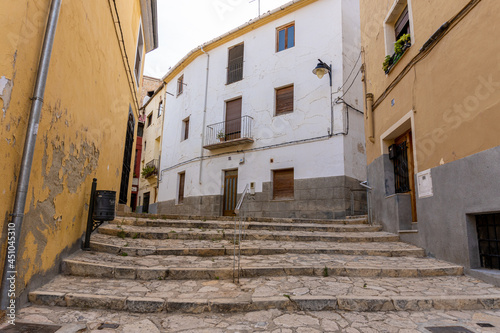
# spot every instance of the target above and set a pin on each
(234, 197)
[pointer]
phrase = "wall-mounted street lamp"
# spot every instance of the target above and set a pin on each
(320, 71)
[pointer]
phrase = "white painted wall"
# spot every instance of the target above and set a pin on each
(318, 34)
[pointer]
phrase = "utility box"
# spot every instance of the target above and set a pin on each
(104, 206)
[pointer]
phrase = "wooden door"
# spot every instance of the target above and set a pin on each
(233, 119)
(127, 159)
(406, 141)
(145, 203)
(230, 192)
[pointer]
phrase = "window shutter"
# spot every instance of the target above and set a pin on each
(186, 129)
(235, 64)
(401, 23)
(181, 187)
(283, 184)
(284, 100)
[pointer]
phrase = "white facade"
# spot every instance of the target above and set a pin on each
(302, 140)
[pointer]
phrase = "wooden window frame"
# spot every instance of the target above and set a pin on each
(181, 187)
(180, 85)
(277, 194)
(185, 129)
(160, 109)
(285, 27)
(276, 104)
(229, 63)
(149, 119)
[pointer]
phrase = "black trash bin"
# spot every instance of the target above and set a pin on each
(104, 206)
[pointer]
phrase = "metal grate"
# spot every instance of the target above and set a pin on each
(488, 237)
(29, 328)
(401, 175)
(449, 329)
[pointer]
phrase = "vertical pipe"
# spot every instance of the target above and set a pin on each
(204, 117)
(369, 117)
(29, 146)
(90, 219)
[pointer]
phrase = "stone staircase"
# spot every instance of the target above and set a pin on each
(145, 264)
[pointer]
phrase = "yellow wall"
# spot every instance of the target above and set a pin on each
(83, 123)
(456, 110)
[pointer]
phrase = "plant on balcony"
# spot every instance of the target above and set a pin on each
(221, 135)
(400, 47)
(148, 171)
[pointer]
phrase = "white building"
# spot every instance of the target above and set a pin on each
(246, 109)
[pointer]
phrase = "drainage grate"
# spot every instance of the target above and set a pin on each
(485, 325)
(30, 328)
(448, 329)
(108, 325)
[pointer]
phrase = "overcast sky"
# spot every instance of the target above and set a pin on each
(186, 24)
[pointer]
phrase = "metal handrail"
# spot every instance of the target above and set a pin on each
(368, 200)
(236, 273)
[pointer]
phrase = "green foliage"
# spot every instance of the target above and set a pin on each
(325, 271)
(148, 171)
(121, 234)
(124, 254)
(399, 49)
(221, 135)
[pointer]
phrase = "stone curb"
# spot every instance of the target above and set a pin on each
(303, 303)
(247, 251)
(186, 235)
(81, 268)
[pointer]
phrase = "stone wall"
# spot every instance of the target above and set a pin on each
(317, 198)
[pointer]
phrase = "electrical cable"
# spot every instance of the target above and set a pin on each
(354, 80)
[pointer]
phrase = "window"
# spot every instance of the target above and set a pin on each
(283, 184)
(180, 197)
(180, 85)
(284, 100)
(397, 23)
(235, 64)
(402, 25)
(185, 129)
(140, 130)
(138, 56)
(160, 109)
(150, 119)
(488, 237)
(285, 37)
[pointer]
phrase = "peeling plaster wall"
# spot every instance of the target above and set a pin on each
(82, 127)
(318, 34)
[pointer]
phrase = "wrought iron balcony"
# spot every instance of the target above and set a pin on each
(151, 169)
(229, 133)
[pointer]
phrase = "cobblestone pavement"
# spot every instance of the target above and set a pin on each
(275, 286)
(270, 321)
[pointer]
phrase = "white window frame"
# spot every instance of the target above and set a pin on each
(140, 42)
(389, 33)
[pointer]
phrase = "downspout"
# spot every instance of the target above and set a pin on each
(369, 116)
(204, 116)
(9, 271)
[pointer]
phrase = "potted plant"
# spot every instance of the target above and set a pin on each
(148, 171)
(221, 135)
(400, 46)
(387, 63)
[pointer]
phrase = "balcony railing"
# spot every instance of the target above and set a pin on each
(151, 169)
(229, 133)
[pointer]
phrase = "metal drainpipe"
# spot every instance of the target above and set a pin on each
(29, 146)
(204, 116)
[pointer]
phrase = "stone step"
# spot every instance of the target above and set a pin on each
(97, 264)
(208, 248)
(221, 234)
(262, 293)
(361, 219)
(230, 225)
